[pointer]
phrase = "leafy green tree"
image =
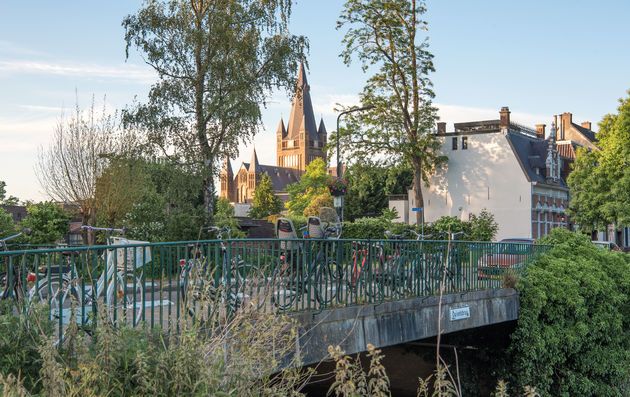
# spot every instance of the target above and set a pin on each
(312, 184)
(4, 200)
(123, 183)
(384, 34)
(266, 202)
(47, 221)
(573, 334)
(7, 227)
(146, 219)
(224, 216)
(217, 62)
(482, 227)
(600, 181)
(366, 189)
(323, 200)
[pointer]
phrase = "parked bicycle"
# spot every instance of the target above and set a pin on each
(306, 270)
(119, 288)
(229, 283)
(20, 283)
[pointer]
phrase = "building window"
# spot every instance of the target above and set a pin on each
(454, 143)
(464, 142)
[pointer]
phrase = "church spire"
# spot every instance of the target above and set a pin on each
(254, 165)
(302, 119)
(227, 167)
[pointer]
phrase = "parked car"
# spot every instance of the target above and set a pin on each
(509, 253)
(608, 245)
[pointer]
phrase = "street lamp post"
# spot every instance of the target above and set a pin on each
(338, 154)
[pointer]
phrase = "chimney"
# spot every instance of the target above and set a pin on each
(540, 131)
(587, 125)
(441, 128)
(565, 122)
(504, 122)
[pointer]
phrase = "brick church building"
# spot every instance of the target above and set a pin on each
(299, 143)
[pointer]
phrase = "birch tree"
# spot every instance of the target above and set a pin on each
(216, 62)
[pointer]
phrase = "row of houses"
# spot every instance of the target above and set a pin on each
(517, 173)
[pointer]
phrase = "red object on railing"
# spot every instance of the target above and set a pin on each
(182, 262)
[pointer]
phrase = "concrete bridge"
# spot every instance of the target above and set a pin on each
(396, 322)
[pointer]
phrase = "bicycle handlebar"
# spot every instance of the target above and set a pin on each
(219, 230)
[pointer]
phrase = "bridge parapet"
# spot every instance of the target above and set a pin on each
(395, 322)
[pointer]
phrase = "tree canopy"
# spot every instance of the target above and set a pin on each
(385, 34)
(600, 181)
(312, 184)
(217, 61)
(4, 200)
(266, 202)
(47, 221)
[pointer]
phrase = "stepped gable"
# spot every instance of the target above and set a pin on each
(302, 117)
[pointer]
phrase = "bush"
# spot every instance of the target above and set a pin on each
(573, 334)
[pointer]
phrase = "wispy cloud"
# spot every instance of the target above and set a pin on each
(55, 109)
(127, 72)
(18, 49)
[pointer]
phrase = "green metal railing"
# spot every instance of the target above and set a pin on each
(163, 284)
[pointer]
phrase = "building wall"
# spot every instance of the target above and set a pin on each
(485, 175)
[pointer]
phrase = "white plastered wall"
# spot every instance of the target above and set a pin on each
(486, 175)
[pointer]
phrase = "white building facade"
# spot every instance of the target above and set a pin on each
(511, 171)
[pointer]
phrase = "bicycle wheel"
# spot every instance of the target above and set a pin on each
(49, 292)
(253, 286)
(326, 285)
(284, 287)
(125, 298)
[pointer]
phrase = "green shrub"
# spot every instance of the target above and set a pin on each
(573, 334)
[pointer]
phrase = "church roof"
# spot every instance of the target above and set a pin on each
(302, 117)
(322, 128)
(281, 130)
(280, 177)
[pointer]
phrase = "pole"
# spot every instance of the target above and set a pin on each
(423, 222)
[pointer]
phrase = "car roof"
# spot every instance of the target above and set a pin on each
(517, 240)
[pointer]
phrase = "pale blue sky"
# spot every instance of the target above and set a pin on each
(538, 57)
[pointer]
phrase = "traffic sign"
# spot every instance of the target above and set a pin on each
(417, 209)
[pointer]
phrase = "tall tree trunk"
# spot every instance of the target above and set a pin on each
(417, 182)
(208, 188)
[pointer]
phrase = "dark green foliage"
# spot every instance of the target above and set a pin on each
(573, 335)
(265, 200)
(7, 227)
(48, 222)
(4, 200)
(147, 218)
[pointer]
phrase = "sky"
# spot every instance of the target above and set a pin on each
(540, 58)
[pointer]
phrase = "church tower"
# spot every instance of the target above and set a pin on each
(228, 188)
(302, 141)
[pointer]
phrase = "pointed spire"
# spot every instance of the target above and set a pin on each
(254, 165)
(227, 167)
(302, 118)
(281, 130)
(321, 131)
